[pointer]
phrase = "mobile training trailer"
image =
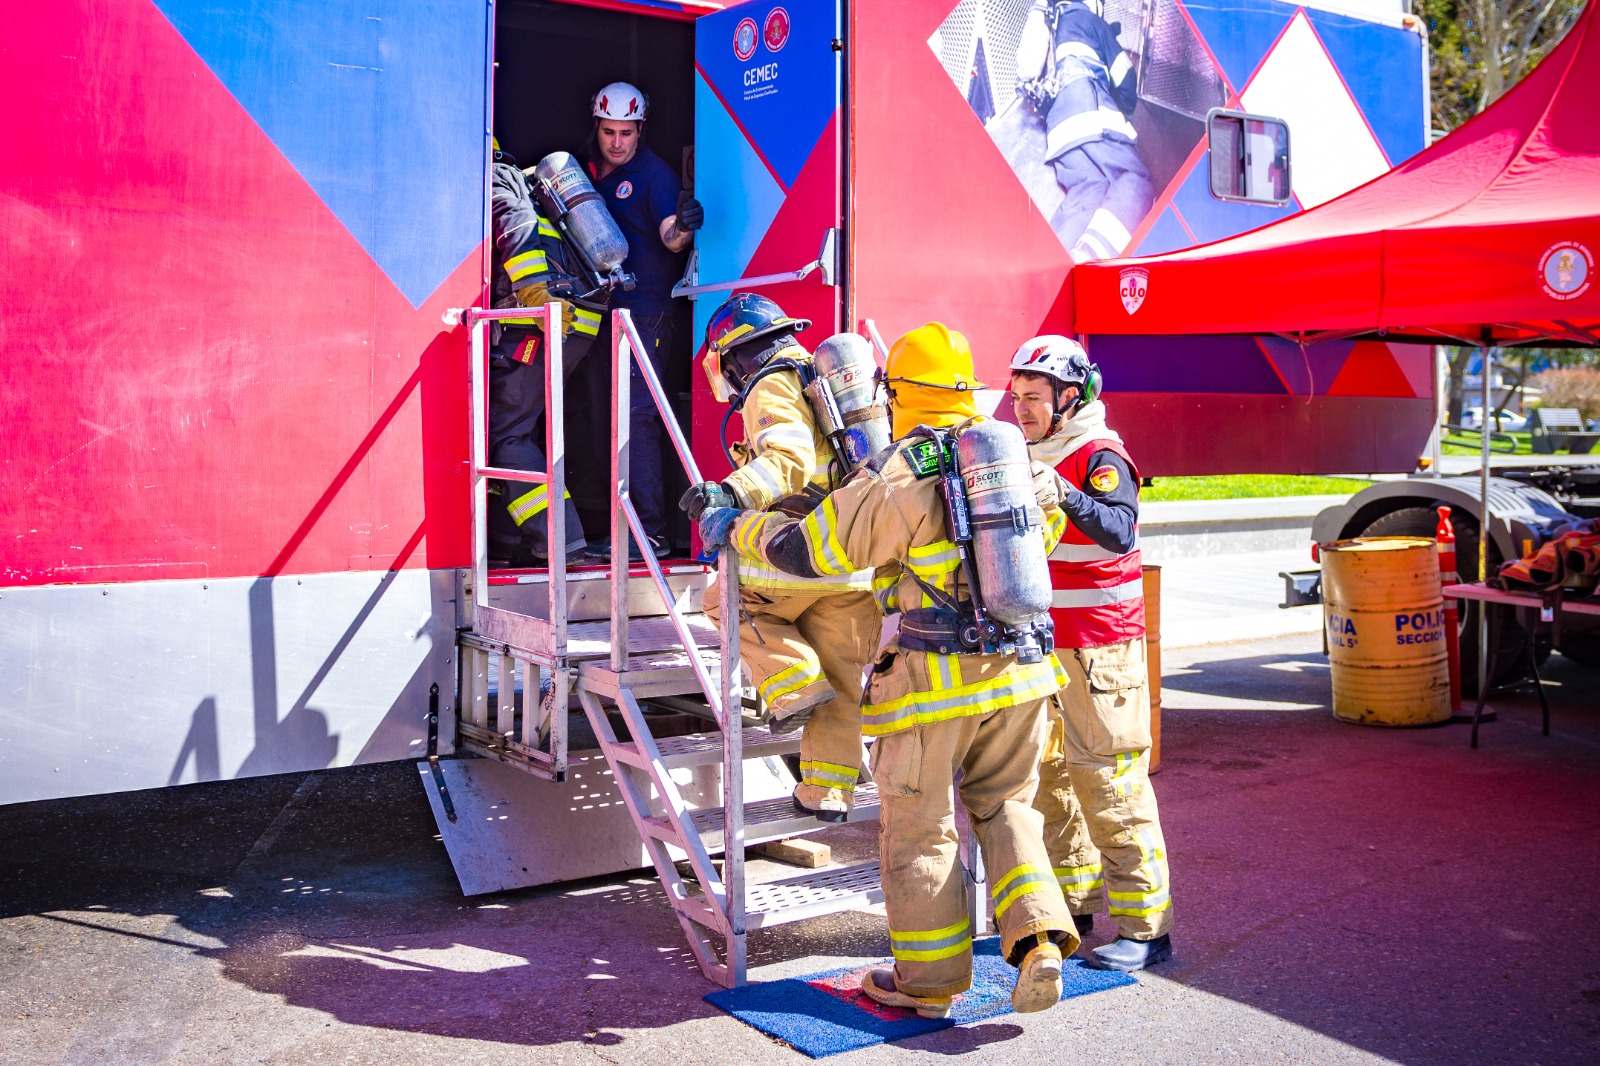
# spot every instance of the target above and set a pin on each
(236, 473)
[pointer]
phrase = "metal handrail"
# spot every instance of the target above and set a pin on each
(827, 261)
(477, 321)
(877, 338)
(722, 695)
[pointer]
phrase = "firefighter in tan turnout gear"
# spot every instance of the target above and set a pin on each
(1098, 758)
(805, 640)
(937, 704)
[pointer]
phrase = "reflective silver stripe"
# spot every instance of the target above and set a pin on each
(782, 435)
(1087, 126)
(1109, 228)
(934, 944)
(1128, 590)
(1078, 50)
(756, 573)
(1121, 67)
(1088, 553)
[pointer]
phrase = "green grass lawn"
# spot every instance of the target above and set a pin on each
(1247, 486)
(1524, 444)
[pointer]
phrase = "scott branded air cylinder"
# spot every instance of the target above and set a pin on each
(581, 213)
(1007, 525)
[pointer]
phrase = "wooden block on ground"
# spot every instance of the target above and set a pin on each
(797, 852)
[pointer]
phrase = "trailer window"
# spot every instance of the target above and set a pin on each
(1249, 157)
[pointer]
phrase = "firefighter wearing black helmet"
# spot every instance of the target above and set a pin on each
(805, 641)
(529, 255)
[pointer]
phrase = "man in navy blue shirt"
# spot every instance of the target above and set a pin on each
(658, 218)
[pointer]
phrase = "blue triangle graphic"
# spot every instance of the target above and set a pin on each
(1239, 32)
(1389, 88)
(379, 106)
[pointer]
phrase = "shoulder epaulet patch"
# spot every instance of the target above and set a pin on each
(923, 458)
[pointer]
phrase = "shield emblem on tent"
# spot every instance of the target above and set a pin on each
(1133, 286)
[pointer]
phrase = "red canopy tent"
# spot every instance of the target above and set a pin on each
(1489, 236)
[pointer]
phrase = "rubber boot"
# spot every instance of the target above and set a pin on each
(1084, 924)
(879, 985)
(1130, 955)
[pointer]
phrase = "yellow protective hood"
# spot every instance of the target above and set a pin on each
(932, 380)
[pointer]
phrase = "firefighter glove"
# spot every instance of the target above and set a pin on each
(691, 216)
(705, 495)
(716, 523)
(537, 295)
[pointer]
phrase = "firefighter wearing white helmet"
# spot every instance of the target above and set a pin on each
(936, 703)
(1102, 827)
(658, 218)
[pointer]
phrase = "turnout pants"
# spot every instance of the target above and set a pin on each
(811, 651)
(924, 888)
(1102, 828)
(1108, 193)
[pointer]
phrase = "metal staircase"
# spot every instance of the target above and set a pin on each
(656, 645)
(716, 903)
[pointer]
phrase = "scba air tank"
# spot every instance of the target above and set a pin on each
(1007, 525)
(846, 368)
(581, 212)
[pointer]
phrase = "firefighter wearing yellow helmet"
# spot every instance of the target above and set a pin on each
(805, 640)
(935, 704)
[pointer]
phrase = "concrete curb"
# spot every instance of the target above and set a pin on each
(1192, 529)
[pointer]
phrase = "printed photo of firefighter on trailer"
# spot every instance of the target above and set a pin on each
(1096, 104)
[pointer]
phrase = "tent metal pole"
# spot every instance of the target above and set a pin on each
(1483, 527)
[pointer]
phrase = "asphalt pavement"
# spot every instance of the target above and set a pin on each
(1342, 895)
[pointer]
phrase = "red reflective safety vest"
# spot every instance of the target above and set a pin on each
(1097, 595)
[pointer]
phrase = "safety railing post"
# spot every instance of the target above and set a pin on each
(555, 724)
(732, 762)
(477, 333)
(620, 358)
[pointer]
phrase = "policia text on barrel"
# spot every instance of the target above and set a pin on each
(1384, 615)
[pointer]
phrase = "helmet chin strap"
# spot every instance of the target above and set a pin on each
(1061, 412)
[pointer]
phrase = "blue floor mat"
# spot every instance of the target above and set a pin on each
(825, 1013)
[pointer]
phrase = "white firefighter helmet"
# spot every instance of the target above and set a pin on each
(1061, 359)
(620, 101)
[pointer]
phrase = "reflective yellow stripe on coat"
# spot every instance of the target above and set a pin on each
(1019, 684)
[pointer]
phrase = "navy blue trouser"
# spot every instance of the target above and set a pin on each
(647, 471)
(516, 404)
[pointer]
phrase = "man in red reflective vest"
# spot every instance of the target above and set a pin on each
(1101, 824)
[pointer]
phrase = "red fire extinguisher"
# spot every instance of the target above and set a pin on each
(1445, 545)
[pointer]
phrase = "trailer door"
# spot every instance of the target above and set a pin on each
(767, 168)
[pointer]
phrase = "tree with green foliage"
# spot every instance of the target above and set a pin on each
(1480, 48)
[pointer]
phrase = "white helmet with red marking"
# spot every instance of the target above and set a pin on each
(620, 101)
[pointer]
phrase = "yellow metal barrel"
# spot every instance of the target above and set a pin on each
(1385, 622)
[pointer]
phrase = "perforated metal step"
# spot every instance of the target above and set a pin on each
(776, 819)
(812, 895)
(592, 640)
(705, 749)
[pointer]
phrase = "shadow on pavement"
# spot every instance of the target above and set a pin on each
(1389, 889)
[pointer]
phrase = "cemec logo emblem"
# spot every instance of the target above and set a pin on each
(1133, 287)
(744, 39)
